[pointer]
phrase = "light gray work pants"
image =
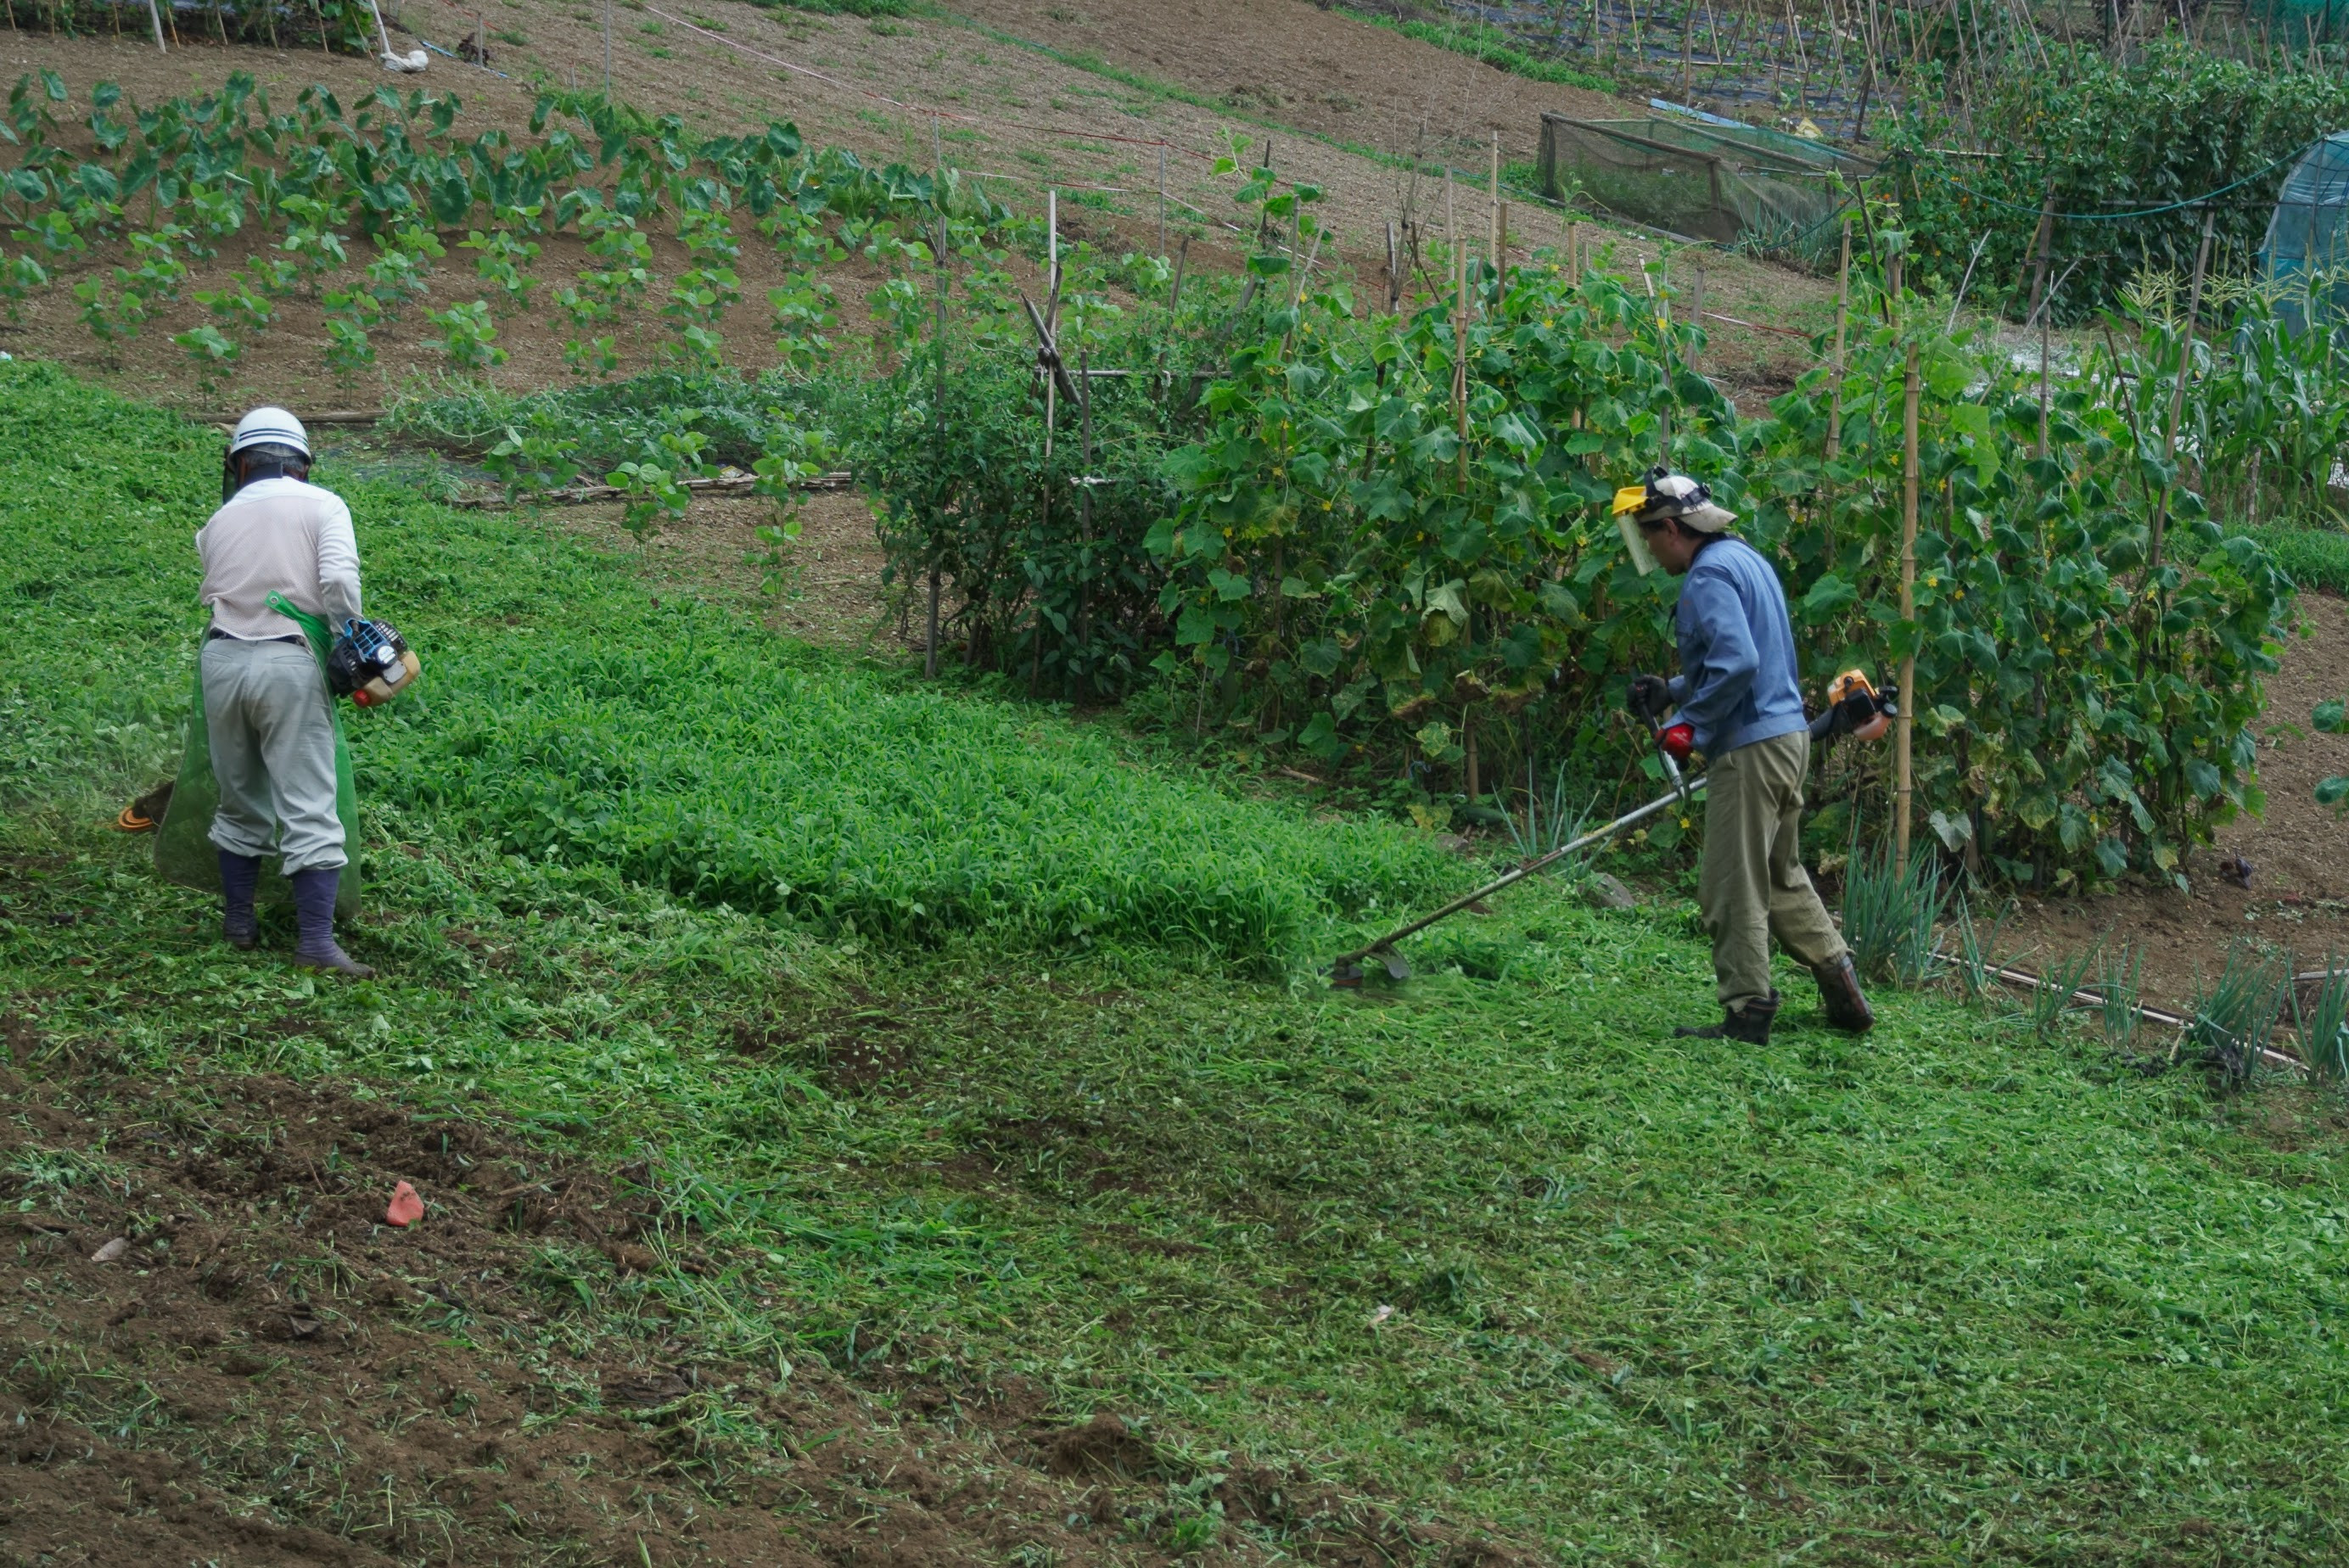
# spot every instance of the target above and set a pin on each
(273, 741)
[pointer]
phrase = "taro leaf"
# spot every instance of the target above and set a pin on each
(2331, 717)
(2112, 856)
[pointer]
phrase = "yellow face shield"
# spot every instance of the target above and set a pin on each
(1632, 498)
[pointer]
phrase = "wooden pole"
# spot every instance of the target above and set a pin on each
(1835, 365)
(1162, 198)
(154, 18)
(1903, 741)
(1394, 266)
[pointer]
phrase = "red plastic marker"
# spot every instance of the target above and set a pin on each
(406, 1207)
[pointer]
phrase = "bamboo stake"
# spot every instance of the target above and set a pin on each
(1162, 198)
(1085, 511)
(607, 59)
(1493, 201)
(1903, 749)
(1835, 365)
(1501, 260)
(1460, 355)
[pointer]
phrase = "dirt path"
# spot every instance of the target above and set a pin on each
(213, 1348)
(2298, 896)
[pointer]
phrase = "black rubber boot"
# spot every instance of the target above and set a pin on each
(1749, 1024)
(1841, 997)
(314, 911)
(240, 875)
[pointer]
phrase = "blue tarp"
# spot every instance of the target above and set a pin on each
(2307, 247)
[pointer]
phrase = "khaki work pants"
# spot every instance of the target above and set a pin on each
(1753, 885)
(273, 735)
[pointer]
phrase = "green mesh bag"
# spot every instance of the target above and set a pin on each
(183, 845)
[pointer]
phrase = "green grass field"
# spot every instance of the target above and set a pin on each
(1488, 1247)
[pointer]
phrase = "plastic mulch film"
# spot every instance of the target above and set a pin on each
(2307, 246)
(1771, 192)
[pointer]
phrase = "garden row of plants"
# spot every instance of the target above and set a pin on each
(1375, 538)
(347, 26)
(2098, 135)
(357, 212)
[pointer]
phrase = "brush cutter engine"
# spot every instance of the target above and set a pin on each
(370, 663)
(1854, 708)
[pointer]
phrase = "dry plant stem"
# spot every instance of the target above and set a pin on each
(2178, 392)
(1904, 738)
(1835, 365)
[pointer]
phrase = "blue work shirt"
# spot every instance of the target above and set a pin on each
(1737, 682)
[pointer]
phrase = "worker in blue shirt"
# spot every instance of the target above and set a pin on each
(1737, 690)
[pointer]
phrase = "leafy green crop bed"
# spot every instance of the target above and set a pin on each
(1488, 1248)
(566, 714)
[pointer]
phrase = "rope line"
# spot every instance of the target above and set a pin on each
(2142, 212)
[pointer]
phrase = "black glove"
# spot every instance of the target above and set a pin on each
(1650, 695)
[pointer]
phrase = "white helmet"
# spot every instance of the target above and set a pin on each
(271, 424)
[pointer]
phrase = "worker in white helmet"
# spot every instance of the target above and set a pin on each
(278, 546)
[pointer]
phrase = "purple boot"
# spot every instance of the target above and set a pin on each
(240, 875)
(314, 913)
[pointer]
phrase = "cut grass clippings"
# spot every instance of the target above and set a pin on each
(565, 714)
(1489, 1246)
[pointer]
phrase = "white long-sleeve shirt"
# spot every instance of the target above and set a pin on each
(283, 536)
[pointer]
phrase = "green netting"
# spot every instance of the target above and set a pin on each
(2307, 247)
(1764, 189)
(2299, 22)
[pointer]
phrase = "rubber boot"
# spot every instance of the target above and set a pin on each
(314, 911)
(240, 875)
(1749, 1024)
(1841, 997)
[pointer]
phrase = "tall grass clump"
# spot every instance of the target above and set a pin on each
(2324, 1021)
(2235, 1018)
(1889, 911)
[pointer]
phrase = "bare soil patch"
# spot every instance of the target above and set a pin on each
(213, 1348)
(980, 91)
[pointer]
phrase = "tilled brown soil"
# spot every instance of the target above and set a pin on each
(979, 89)
(213, 1349)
